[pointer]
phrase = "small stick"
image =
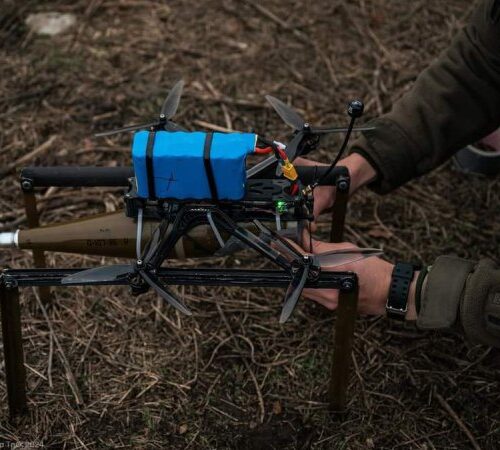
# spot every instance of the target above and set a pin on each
(212, 126)
(266, 12)
(69, 374)
(49, 361)
(28, 156)
(227, 117)
(457, 419)
(297, 33)
(87, 347)
(230, 101)
(262, 411)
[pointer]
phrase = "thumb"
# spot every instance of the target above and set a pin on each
(306, 162)
(314, 246)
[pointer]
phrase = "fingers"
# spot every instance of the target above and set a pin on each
(328, 298)
(307, 162)
(297, 246)
(302, 162)
(323, 195)
(306, 239)
(317, 210)
(320, 247)
(306, 243)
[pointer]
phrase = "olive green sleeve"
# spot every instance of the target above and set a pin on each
(454, 102)
(457, 292)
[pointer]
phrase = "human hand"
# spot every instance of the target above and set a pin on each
(374, 275)
(492, 141)
(361, 173)
(324, 196)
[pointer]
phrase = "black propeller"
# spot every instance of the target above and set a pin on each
(168, 110)
(302, 264)
(303, 130)
(293, 119)
(140, 269)
(305, 263)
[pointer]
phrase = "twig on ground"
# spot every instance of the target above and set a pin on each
(28, 157)
(62, 356)
(457, 420)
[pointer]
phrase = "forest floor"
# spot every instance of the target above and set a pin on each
(230, 376)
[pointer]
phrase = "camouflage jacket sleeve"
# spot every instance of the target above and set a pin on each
(454, 102)
(464, 294)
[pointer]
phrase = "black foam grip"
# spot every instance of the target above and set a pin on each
(75, 176)
(309, 174)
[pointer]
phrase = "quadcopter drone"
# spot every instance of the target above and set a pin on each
(185, 179)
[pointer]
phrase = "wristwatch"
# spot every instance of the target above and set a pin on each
(397, 300)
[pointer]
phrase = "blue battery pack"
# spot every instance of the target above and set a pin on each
(177, 162)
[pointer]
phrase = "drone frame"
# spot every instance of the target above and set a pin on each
(346, 282)
(11, 280)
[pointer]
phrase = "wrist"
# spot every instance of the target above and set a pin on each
(411, 314)
(360, 171)
(401, 292)
(383, 286)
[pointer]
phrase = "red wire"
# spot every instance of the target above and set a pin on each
(283, 155)
(263, 151)
(266, 150)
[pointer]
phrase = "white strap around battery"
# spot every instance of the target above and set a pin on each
(138, 239)
(278, 221)
(214, 229)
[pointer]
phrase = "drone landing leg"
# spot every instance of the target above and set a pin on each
(340, 207)
(15, 372)
(346, 310)
(33, 222)
(342, 347)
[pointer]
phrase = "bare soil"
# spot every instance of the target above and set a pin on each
(231, 377)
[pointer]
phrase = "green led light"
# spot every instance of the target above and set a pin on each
(281, 206)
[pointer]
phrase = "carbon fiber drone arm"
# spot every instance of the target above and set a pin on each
(188, 217)
(250, 239)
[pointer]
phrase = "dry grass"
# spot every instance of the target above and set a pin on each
(231, 376)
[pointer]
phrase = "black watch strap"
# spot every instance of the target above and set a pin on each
(397, 300)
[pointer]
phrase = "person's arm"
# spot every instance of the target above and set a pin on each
(454, 102)
(453, 292)
(458, 292)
